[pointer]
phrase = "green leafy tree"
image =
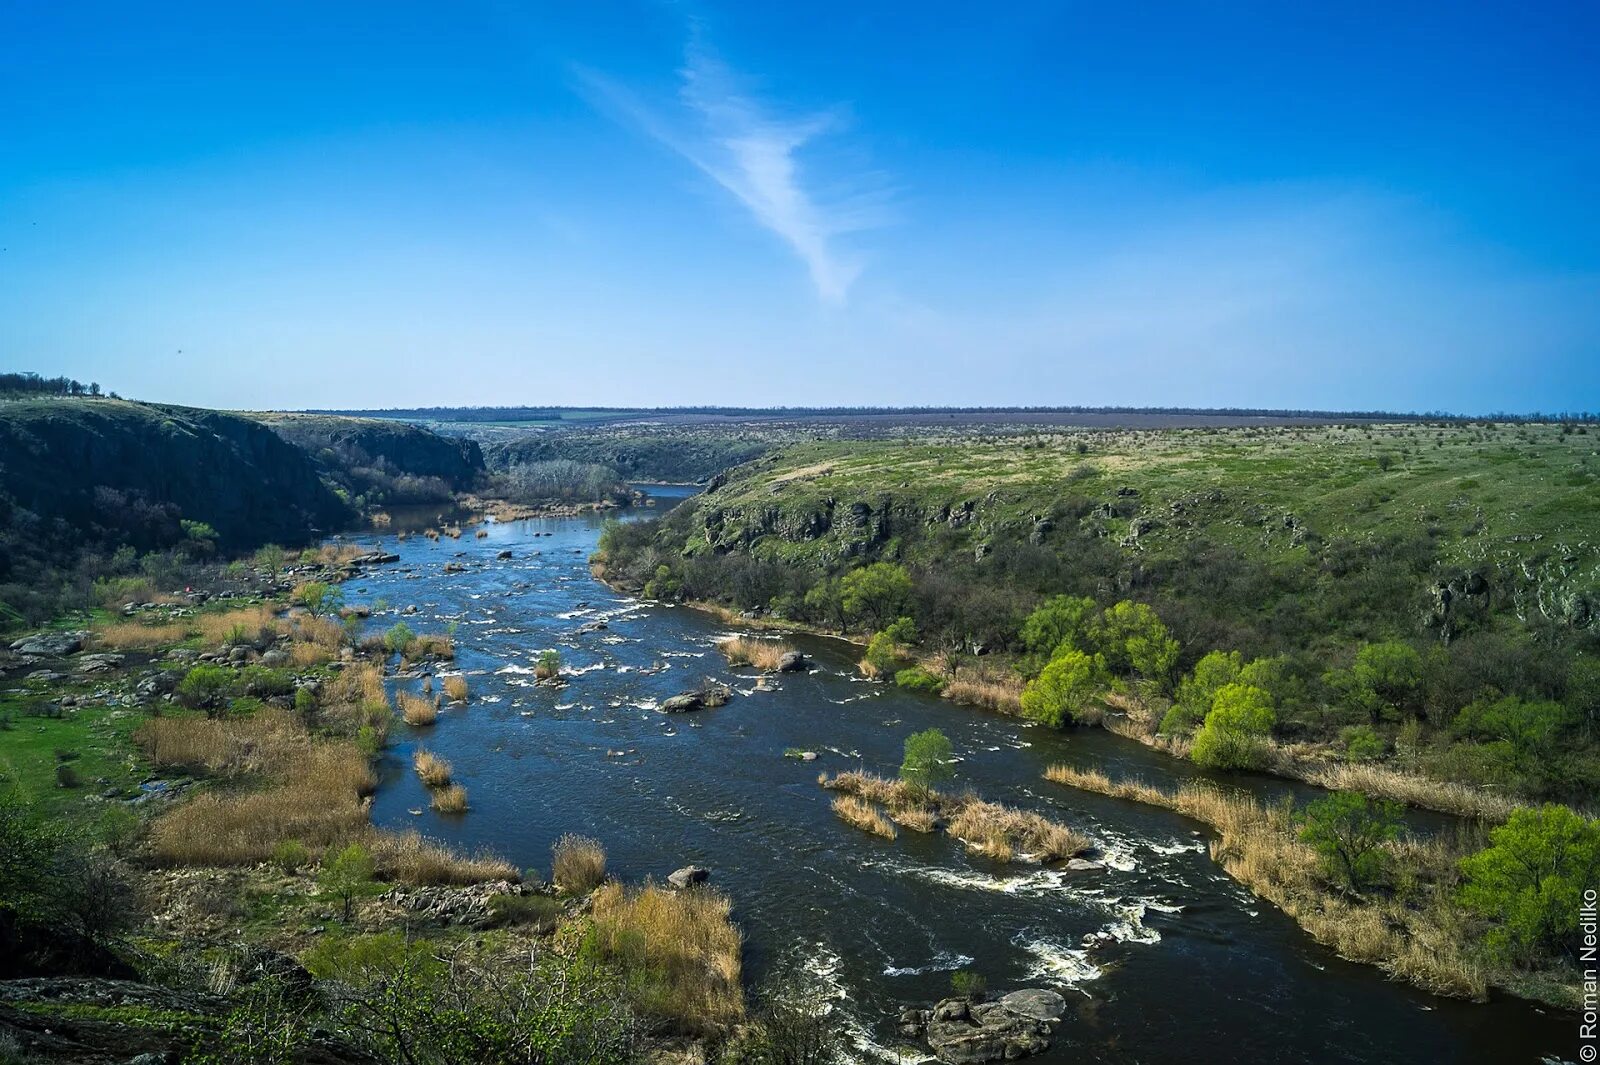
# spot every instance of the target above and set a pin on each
(1198, 689)
(347, 876)
(1529, 880)
(1236, 729)
(1348, 830)
(1384, 678)
(1135, 642)
(319, 598)
(883, 658)
(927, 760)
(399, 639)
(1065, 619)
(1065, 686)
(1524, 731)
(875, 594)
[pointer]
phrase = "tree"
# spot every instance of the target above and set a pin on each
(1386, 676)
(1524, 730)
(1065, 619)
(883, 658)
(318, 598)
(1063, 688)
(1347, 830)
(1198, 689)
(927, 760)
(347, 875)
(876, 593)
(1530, 879)
(1236, 729)
(1135, 641)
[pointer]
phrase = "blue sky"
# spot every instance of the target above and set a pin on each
(288, 205)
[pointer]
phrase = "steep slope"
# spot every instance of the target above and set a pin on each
(106, 472)
(380, 460)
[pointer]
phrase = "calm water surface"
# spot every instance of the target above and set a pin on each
(1162, 957)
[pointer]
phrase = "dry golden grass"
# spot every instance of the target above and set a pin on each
(434, 771)
(750, 651)
(141, 636)
(1388, 783)
(455, 687)
(577, 864)
(482, 534)
(680, 951)
(430, 645)
(887, 791)
(223, 746)
(1005, 834)
(856, 811)
(1422, 941)
(248, 625)
(418, 711)
(451, 799)
(408, 857)
(915, 818)
(338, 554)
(991, 691)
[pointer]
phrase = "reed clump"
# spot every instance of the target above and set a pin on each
(679, 951)
(455, 688)
(254, 626)
(418, 711)
(1005, 834)
(1386, 782)
(853, 810)
(577, 864)
(1420, 938)
(450, 799)
(764, 655)
(434, 771)
(413, 859)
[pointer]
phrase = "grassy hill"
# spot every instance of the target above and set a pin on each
(379, 461)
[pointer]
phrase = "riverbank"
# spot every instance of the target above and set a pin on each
(1415, 932)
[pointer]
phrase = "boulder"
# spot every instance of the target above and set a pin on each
(961, 1032)
(1084, 865)
(679, 704)
(99, 663)
(50, 644)
(688, 876)
(505, 555)
(792, 662)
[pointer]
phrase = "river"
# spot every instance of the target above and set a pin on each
(1186, 965)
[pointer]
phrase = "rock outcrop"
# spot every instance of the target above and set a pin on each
(962, 1032)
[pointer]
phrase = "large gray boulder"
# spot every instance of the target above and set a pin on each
(792, 662)
(961, 1032)
(50, 644)
(688, 876)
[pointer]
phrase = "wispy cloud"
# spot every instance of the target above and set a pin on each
(754, 153)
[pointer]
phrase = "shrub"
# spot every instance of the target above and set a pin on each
(917, 679)
(291, 856)
(262, 683)
(794, 1025)
(1062, 690)
(399, 639)
(205, 688)
(968, 984)
(318, 598)
(541, 912)
(347, 875)
(577, 864)
(748, 651)
(883, 657)
(1362, 744)
(1347, 830)
(451, 799)
(67, 776)
(927, 760)
(548, 665)
(455, 687)
(1531, 877)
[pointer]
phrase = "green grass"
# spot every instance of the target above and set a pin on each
(101, 735)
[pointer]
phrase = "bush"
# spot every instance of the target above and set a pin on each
(883, 659)
(67, 776)
(917, 679)
(347, 875)
(399, 639)
(541, 912)
(263, 683)
(1347, 830)
(577, 864)
(291, 856)
(205, 688)
(1362, 744)
(1530, 879)
(968, 984)
(318, 598)
(1235, 732)
(548, 665)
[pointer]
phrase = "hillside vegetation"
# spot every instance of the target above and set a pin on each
(1475, 548)
(636, 453)
(378, 461)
